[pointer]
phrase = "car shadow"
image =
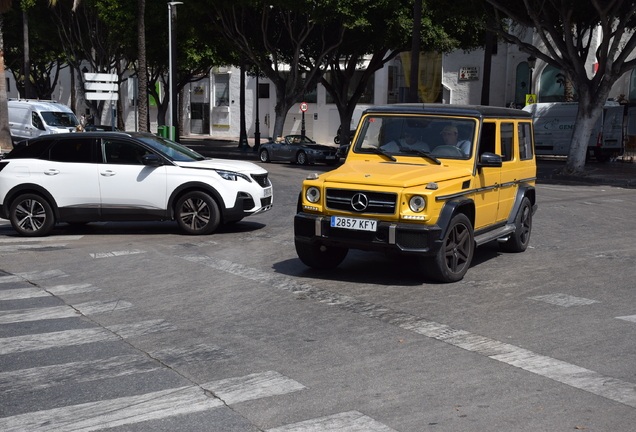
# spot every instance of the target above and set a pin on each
(377, 268)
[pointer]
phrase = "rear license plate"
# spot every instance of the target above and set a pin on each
(354, 223)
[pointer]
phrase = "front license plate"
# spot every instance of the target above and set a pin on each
(330, 157)
(267, 192)
(354, 223)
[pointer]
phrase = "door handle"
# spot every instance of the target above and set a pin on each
(51, 172)
(108, 173)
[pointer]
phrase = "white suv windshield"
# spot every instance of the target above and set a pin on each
(171, 149)
(441, 137)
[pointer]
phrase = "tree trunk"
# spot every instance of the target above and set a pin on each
(142, 75)
(586, 117)
(28, 91)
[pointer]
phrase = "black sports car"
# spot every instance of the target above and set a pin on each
(298, 149)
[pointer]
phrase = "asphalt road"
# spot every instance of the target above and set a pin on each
(136, 327)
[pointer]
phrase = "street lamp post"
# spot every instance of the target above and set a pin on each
(172, 13)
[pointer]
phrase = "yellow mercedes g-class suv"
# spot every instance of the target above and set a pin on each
(432, 180)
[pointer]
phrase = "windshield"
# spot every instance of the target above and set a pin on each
(171, 149)
(59, 118)
(417, 136)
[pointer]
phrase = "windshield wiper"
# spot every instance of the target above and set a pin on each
(423, 154)
(381, 152)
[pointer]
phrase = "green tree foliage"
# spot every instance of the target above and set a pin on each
(290, 42)
(45, 52)
(572, 34)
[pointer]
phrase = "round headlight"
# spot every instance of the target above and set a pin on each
(417, 203)
(312, 194)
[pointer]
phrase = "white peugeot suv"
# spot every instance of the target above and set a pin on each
(113, 176)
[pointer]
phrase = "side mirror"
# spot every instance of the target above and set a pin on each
(151, 160)
(489, 160)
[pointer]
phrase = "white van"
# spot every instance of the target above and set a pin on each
(554, 124)
(31, 118)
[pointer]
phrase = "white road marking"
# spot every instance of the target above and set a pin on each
(17, 248)
(152, 406)
(40, 378)
(116, 253)
(27, 293)
(351, 421)
(566, 373)
(33, 276)
(39, 239)
(631, 318)
(41, 341)
(65, 311)
(564, 300)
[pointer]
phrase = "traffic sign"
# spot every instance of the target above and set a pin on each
(304, 106)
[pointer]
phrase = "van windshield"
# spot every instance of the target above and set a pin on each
(58, 118)
(441, 137)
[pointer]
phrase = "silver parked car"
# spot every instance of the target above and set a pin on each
(298, 149)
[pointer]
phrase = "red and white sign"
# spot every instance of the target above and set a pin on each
(304, 106)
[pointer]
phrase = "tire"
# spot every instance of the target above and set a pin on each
(519, 240)
(197, 213)
(31, 215)
(301, 158)
(264, 156)
(333, 162)
(319, 256)
(452, 261)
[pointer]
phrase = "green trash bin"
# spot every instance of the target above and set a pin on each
(162, 131)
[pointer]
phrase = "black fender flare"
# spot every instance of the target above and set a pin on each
(524, 190)
(451, 208)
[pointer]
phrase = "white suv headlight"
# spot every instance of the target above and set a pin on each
(232, 176)
(417, 203)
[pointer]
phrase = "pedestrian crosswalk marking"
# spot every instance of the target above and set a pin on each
(33, 276)
(351, 421)
(557, 370)
(40, 378)
(41, 341)
(65, 311)
(116, 253)
(153, 406)
(27, 293)
(39, 239)
(29, 247)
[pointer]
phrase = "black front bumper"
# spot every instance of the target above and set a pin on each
(406, 238)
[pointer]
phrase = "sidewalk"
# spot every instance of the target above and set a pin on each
(619, 173)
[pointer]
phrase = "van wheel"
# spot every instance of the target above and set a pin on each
(518, 241)
(453, 259)
(31, 215)
(319, 256)
(197, 213)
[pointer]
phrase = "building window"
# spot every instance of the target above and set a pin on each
(263, 90)
(8, 86)
(222, 90)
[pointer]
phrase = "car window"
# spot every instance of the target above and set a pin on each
(58, 118)
(37, 121)
(506, 132)
(72, 150)
(443, 137)
(171, 149)
(525, 141)
(122, 152)
(29, 149)
(487, 138)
